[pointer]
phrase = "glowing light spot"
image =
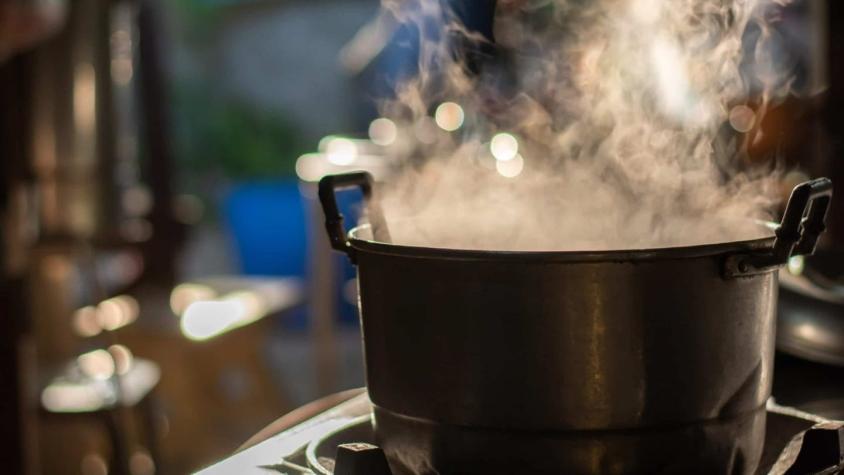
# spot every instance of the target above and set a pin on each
(110, 315)
(117, 312)
(84, 97)
(141, 463)
(807, 331)
(123, 358)
(309, 167)
(504, 147)
(86, 323)
(206, 319)
(341, 151)
(121, 70)
(742, 118)
(510, 168)
(94, 464)
(383, 131)
(97, 364)
(70, 397)
(136, 230)
(188, 209)
(796, 265)
(137, 201)
(185, 294)
(449, 116)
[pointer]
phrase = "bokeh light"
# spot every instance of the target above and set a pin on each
(123, 358)
(742, 118)
(117, 312)
(510, 168)
(206, 319)
(449, 116)
(93, 464)
(86, 323)
(185, 294)
(383, 131)
(141, 463)
(504, 147)
(97, 364)
(341, 151)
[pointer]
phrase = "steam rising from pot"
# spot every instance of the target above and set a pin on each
(603, 124)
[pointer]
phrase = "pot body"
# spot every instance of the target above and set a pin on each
(646, 361)
(560, 343)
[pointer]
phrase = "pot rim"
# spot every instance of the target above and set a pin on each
(759, 245)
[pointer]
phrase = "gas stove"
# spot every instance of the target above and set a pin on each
(334, 436)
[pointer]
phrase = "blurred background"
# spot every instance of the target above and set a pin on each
(167, 289)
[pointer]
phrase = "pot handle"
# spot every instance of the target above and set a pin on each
(802, 224)
(328, 185)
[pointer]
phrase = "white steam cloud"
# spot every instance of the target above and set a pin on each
(604, 124)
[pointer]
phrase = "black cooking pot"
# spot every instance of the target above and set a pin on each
(655, 360)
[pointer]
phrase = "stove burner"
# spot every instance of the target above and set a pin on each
(821, 451)
(341, 441)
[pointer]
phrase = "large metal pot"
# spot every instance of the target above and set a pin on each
(656, 360)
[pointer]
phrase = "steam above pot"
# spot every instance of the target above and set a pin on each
(585, 125)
